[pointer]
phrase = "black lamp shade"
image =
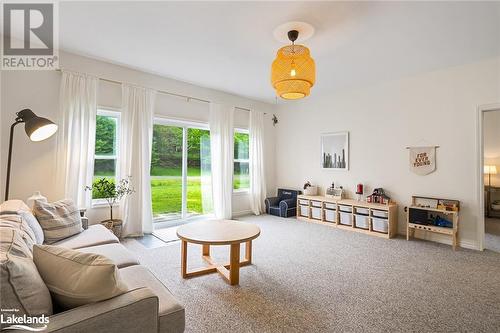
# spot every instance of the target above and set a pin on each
(37, 128)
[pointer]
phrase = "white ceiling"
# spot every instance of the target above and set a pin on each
(229, 45)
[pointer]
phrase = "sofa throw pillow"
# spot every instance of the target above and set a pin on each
(21, 286)
(20, 208)
(34, 225)
(17, 222)
(76, 278)
(59, 219)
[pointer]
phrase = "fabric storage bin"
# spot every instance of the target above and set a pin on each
(329, 205)
(345, 208)
(361, 221)
(362, 211)
(380, 225)
(380, 213)
(345, 218)
(304, 210)
(303, 202)
(330, 215)
(316, 203)
(316, 213)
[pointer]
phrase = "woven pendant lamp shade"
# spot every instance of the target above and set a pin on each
(293, 72)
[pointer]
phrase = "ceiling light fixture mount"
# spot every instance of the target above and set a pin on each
(293, 72)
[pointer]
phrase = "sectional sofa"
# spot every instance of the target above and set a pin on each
(148, 306)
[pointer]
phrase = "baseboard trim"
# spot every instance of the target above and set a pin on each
(242, 213)
(443, 239)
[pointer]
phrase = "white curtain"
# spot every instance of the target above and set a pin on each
(222, 152)
(256, 155)
(136, 139)
(76, 136)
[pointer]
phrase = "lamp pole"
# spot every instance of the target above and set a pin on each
(9, 158)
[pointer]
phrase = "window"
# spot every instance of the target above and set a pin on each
(106, 146)
(180, 170)
(241, 178)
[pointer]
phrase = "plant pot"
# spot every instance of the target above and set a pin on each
(114, 225)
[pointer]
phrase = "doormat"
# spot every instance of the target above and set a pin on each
(167, 234)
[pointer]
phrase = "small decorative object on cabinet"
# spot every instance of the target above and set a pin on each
(370, 218)
(359, 191)
(378, 196)
(310, 189)
(433, 215)
(335, 193)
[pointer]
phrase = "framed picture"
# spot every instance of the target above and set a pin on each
(335, 151)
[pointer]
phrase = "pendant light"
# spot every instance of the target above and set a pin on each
(293, 72)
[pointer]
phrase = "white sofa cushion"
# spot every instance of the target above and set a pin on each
(76, 278)
(171, 313)
(59, 220)
(117, 253)
(95, 235)
(21, 286)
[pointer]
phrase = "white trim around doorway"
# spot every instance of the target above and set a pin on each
(479, 169)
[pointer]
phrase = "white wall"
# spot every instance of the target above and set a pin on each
(492, 144)
(34, 164)
(435, 108)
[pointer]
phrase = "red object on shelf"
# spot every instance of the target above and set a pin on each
(359, 189)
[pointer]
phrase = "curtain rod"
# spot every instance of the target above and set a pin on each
(188, 98)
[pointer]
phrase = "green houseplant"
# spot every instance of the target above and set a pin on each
(105, 188)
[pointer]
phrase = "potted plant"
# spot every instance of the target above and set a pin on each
(105, 188)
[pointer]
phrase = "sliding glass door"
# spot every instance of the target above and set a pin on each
(180, 171)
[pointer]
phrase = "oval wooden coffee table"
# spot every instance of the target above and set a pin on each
(218, 232)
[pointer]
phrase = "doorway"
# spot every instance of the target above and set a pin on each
(180, 172)
(490, 185)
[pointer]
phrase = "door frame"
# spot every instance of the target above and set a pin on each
(481, 109)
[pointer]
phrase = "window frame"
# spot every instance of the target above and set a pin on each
(113, 113)
(246, 189)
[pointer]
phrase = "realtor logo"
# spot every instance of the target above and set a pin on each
(29, 36)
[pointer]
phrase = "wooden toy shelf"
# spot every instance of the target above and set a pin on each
(453, 231)
(368, 218)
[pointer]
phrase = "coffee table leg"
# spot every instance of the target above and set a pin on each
(234, 264)
(206, 250)
(248, 252)
(184, 259)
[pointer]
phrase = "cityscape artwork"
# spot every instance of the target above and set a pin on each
(335, 151)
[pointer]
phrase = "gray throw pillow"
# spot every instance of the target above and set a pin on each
(21, 286)
(59, 220)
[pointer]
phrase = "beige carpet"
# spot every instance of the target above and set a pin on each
(313, 278)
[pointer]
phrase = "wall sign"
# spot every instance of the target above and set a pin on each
(422, 160)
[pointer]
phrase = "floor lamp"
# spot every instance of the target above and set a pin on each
(37, 129)
(489, 170)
